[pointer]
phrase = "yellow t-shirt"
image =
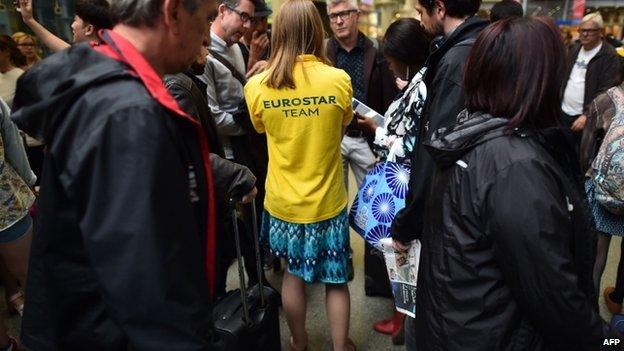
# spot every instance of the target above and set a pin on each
(304, 131)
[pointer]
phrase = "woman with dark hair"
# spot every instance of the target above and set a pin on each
(11, 58)
(395, 140)
(506, 256)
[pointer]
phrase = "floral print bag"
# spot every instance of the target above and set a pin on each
(609, 163)
(16, 198)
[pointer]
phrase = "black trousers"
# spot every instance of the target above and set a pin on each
(35, 156)
(574, 138)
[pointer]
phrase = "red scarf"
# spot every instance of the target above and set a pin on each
(118, 48)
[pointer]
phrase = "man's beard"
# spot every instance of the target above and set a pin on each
(197, 68)
(438, 29)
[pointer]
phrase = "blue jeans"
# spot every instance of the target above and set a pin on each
(16, 231)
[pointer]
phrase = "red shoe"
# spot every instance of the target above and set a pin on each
(612, 306)
(390, 326)
(384, 327)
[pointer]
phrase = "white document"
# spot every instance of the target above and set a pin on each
(368, 112)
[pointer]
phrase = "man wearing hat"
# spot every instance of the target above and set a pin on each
(592, 68)
(255, 43)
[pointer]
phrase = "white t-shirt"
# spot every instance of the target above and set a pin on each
(8, 82)
(574, 95)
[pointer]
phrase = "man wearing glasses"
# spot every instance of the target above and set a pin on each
(373, 83)
(225, 69)
(224, 77)
(593, 67)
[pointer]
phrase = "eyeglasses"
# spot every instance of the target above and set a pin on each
(589, 31)
(343, 15)
(244, 16)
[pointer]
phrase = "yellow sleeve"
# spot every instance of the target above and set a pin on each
(348, 107)
(252, 95)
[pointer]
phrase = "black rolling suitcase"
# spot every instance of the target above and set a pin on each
(248, 319)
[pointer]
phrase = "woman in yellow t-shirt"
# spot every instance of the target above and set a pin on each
(303, 105)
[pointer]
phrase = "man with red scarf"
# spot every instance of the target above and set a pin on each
(123, 251)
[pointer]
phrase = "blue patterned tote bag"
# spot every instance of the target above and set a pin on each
(380, 197)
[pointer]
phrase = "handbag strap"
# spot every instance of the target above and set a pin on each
(235, 73)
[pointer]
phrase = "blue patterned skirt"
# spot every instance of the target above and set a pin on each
(606, 222)
(315, 252)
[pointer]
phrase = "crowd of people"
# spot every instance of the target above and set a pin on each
(122, 152)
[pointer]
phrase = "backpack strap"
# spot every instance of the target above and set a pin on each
(235, 73)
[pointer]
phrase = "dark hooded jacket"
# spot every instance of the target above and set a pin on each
(506, 252)
(445, 99)
(118, 253)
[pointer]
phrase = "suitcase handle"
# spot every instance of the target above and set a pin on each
(254, 230)
(239, 256)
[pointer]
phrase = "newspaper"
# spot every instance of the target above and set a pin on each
(403, 272)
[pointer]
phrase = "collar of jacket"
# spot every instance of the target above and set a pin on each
(606, 49)
(449, 144)
(465, 31)
(370, 54)
(118, 48)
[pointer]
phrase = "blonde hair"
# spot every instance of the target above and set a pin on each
(595, 17)
(19, 37)
(297, 30)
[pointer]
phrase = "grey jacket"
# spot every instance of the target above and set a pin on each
(224, 93)
(14, 146)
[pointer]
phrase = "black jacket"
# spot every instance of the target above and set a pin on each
(602, 71)
(445, 99)
(184, 87)
(117, 259)
(507, 253)
(231, 180)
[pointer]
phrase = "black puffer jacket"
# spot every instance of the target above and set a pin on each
(507, 256)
